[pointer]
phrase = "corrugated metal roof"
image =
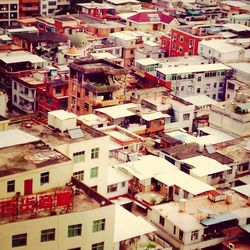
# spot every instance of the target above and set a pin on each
(218, 219)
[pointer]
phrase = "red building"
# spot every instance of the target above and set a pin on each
(53, 96)
(185, 40)
(28, 8)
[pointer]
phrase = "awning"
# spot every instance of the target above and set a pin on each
(218, 219)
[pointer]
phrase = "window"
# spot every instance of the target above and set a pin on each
(98, 225)
(180, 49)
(74, 230)
(79, 175)
(73, 100)
(86, 106)
(181, 38)
(19, 240)
(94, 153)
(199, 78)
(123, 184)
(174, 229)
(79, 156)
(180, 235)
(215, 85)
(198, 90)
(174, 46)
(93, 172)
(48, 235)
(48, 100)
(214, 96)
(44, 178)
(182, 88)
(75, 248)
(98, 246)
(131, 52)
(194, 235)
(161, 220)
(11, 186)
(221, 84)
(186, 117)
(58, 89)
(112, 188)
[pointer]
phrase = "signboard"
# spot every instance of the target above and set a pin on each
(36, 203)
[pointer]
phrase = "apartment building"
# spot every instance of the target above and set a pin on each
(225, 51)
(94, 84)
(208, 79)
(233, 117)
(243, 19)
(202, 222)
(8, 12)
(28, 8)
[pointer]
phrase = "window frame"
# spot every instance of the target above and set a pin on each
(74, 230)
(48, 234)
(98, 225)
(44, 178)
(19, 240)
(10, 186)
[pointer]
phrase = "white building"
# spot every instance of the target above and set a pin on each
(123, 5)
(231, 50)
(208, 79)
(207, 2)
(50, 7)
(243, 19)
(232, 118)
(200, 222)
(9, 12)
(3, 104)
(29, 166)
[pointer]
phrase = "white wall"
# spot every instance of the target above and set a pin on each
(59, 175)
(101, 162)
(33, 229)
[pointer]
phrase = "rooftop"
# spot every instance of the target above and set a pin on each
(192, 149)
(200, 100)
(25, 157)
(182, 180)
(142, 168)
(50, 37)
(237, 149)
(53, 136)
(86, 199)
(204, 165)
(96, 66)
(20, 56)
(189, 220)
(192, 68)
(213, 136)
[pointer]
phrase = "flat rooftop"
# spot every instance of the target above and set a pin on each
(53, 136)
(85, 200)
(192, 68)
(25, 157)
(237, 149)
(192, 149)
(189, 220)
(20, 56)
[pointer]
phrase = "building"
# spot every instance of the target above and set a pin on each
(134, 118)
(51, 7)
(151, 21)
(233, 117)
(202, 222)
(122, 6)
(28, 8)
(208, 79)
(232, 50)
(207, 2)
(9, 12)
(52, 96)
(185, 39)
(243, 19)
(24, 91)
(239, 82)
(94, 84)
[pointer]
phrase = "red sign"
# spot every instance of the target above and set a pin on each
(35, 203)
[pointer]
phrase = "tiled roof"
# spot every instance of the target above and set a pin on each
(147, 17)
